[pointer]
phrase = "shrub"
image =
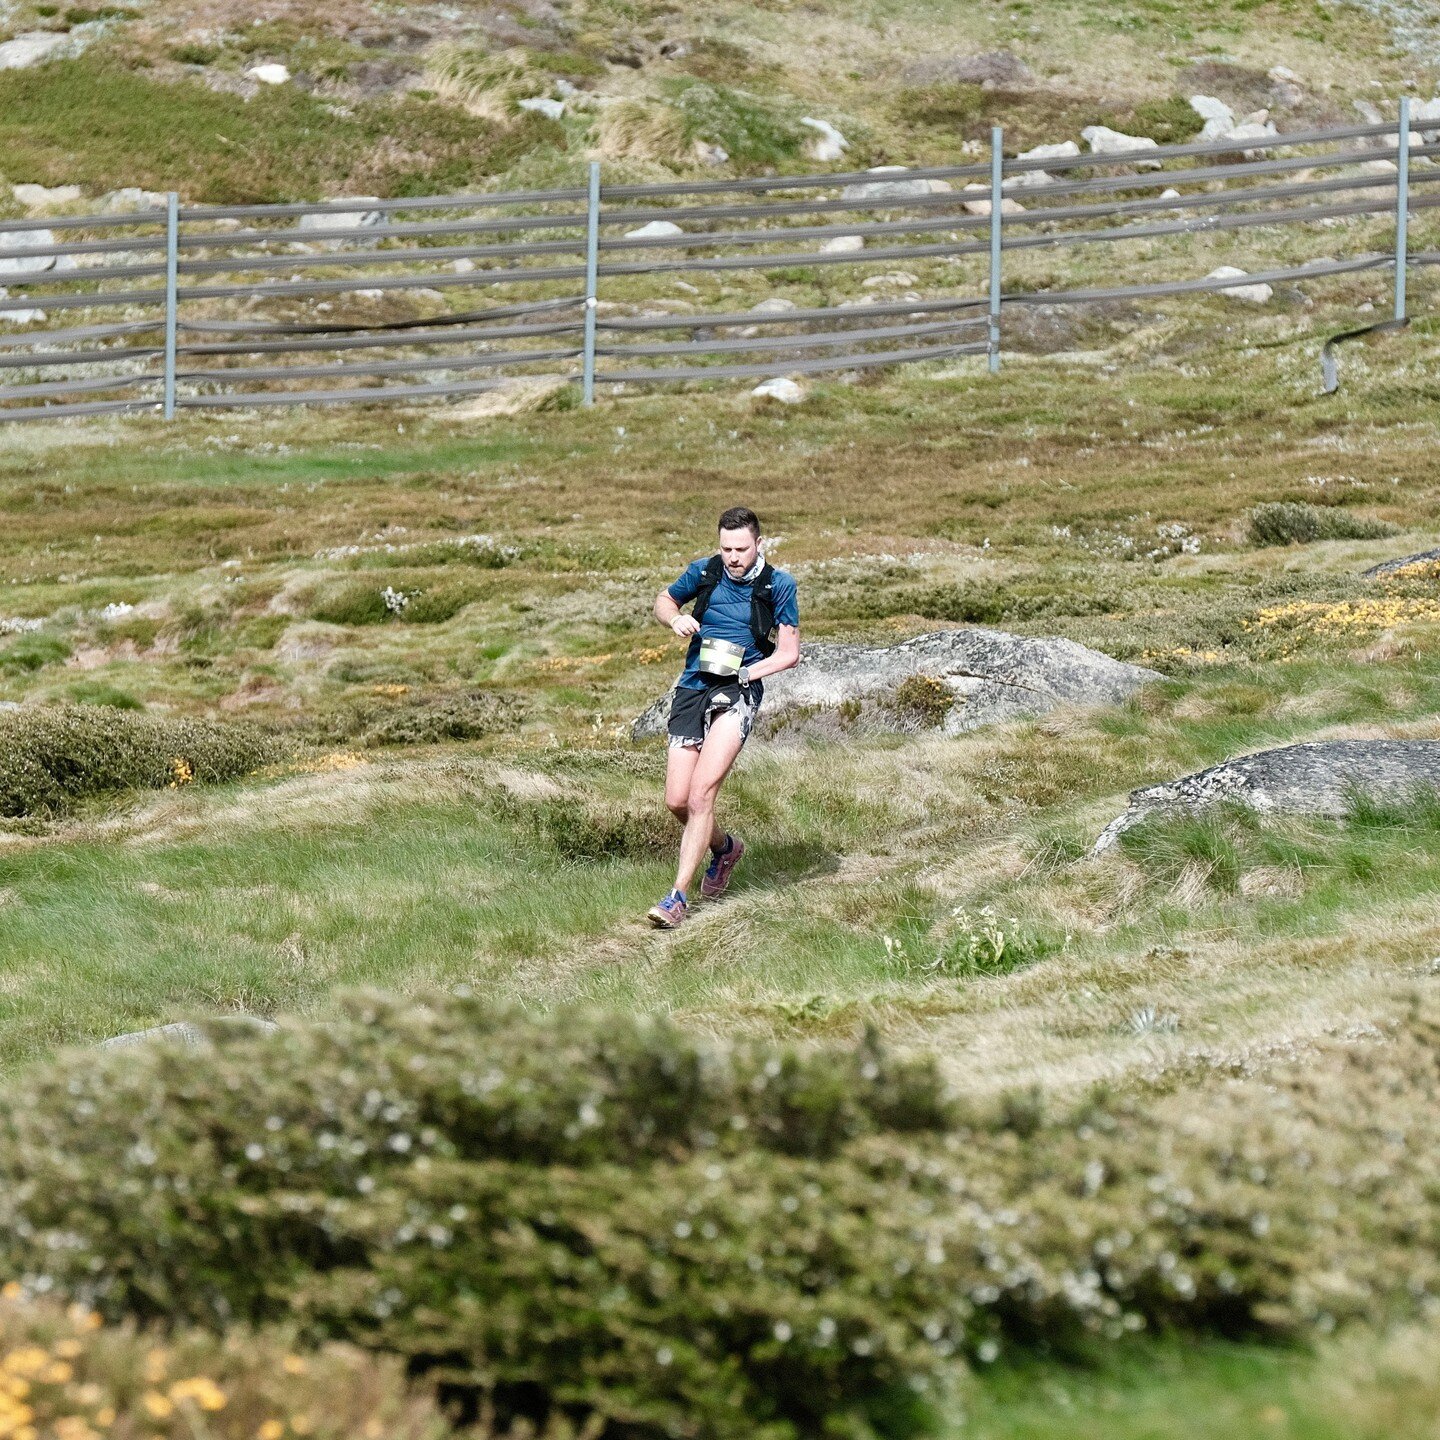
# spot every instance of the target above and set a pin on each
(923, 700)
(753, 131)
(51, 757)
(98, 692)
(31, 653)
(65, 1373)
(355, 603)
(600, 1216)
(585, 1214)
(468, 716)
(588, 828)
(1292, 522)
(365, 602)
(1172, 121)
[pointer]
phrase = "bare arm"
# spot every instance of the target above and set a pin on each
(786, 656)
(667, 612)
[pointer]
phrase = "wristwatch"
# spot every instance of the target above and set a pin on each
(743, 676)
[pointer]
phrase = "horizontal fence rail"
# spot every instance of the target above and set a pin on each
(182, 307)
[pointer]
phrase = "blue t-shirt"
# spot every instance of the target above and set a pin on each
(727, 616)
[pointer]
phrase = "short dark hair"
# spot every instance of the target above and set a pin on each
(740, 517)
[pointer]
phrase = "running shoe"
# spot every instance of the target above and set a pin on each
(669, 912)
(717, 877)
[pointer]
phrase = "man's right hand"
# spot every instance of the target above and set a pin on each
(685, 625)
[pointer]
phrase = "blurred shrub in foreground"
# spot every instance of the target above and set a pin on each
(601, 1218)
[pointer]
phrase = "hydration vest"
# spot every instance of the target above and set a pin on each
(762, 605)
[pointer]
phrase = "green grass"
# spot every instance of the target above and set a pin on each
(1211, 1391)
(94, 122)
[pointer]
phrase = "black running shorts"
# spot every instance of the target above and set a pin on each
(693, 711)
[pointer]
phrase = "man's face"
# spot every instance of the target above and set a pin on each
(739, 549)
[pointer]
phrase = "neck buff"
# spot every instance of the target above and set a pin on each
(752, 572)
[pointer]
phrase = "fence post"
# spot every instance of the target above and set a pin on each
(1402, 206)
(592, 254)
(172, 257)
(997, 163)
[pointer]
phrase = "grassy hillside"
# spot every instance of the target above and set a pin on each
(412, 99)
(341, 699)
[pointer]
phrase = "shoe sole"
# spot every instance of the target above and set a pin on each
(662, 921)
(724, 885)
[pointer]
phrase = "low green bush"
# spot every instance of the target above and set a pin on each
(1295, 522)
(31, 653)
(600, 1216)
(1172, 121)
(355, 603)
(364, 602)
(923, 700)
(589, 827)
(428, 721)
(51, 757)
(753, 131)
(585, 1215)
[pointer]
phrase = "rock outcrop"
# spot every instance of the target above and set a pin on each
(1425, 558)
(182, 1032)
(950, 681)
(1321, 778)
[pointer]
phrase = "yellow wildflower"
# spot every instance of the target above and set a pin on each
(202, 1390)
(157, 1404)
(28, 1360)
(270, 1430)
(11, 1290)
(14, 1387)
(105, 1415)
(68, 1349)
(294, 1365)
(301, 1424)
(157, 1364)
(74, 1427)
(58, 1372)
(181, 772)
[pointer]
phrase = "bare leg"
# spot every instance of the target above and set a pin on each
(679, 771)
(717, 755)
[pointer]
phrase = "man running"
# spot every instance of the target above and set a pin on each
(744, 625)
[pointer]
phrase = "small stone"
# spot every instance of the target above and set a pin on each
(273, 74)
(904, 189)
(1219, 118)
(1256, 294)
(653, 229)
(773, 306)
(22, 317)
(786, 391)
(708, 154)
(829, 144)
(900, 278)
(843, 245)
(1170, 193)
(132, 197)
(30, 48)
(46, 197)
(26, 240)
(1063, 150)
(1102, 140)
(340, 220)
(982, 207)
(543, 105)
